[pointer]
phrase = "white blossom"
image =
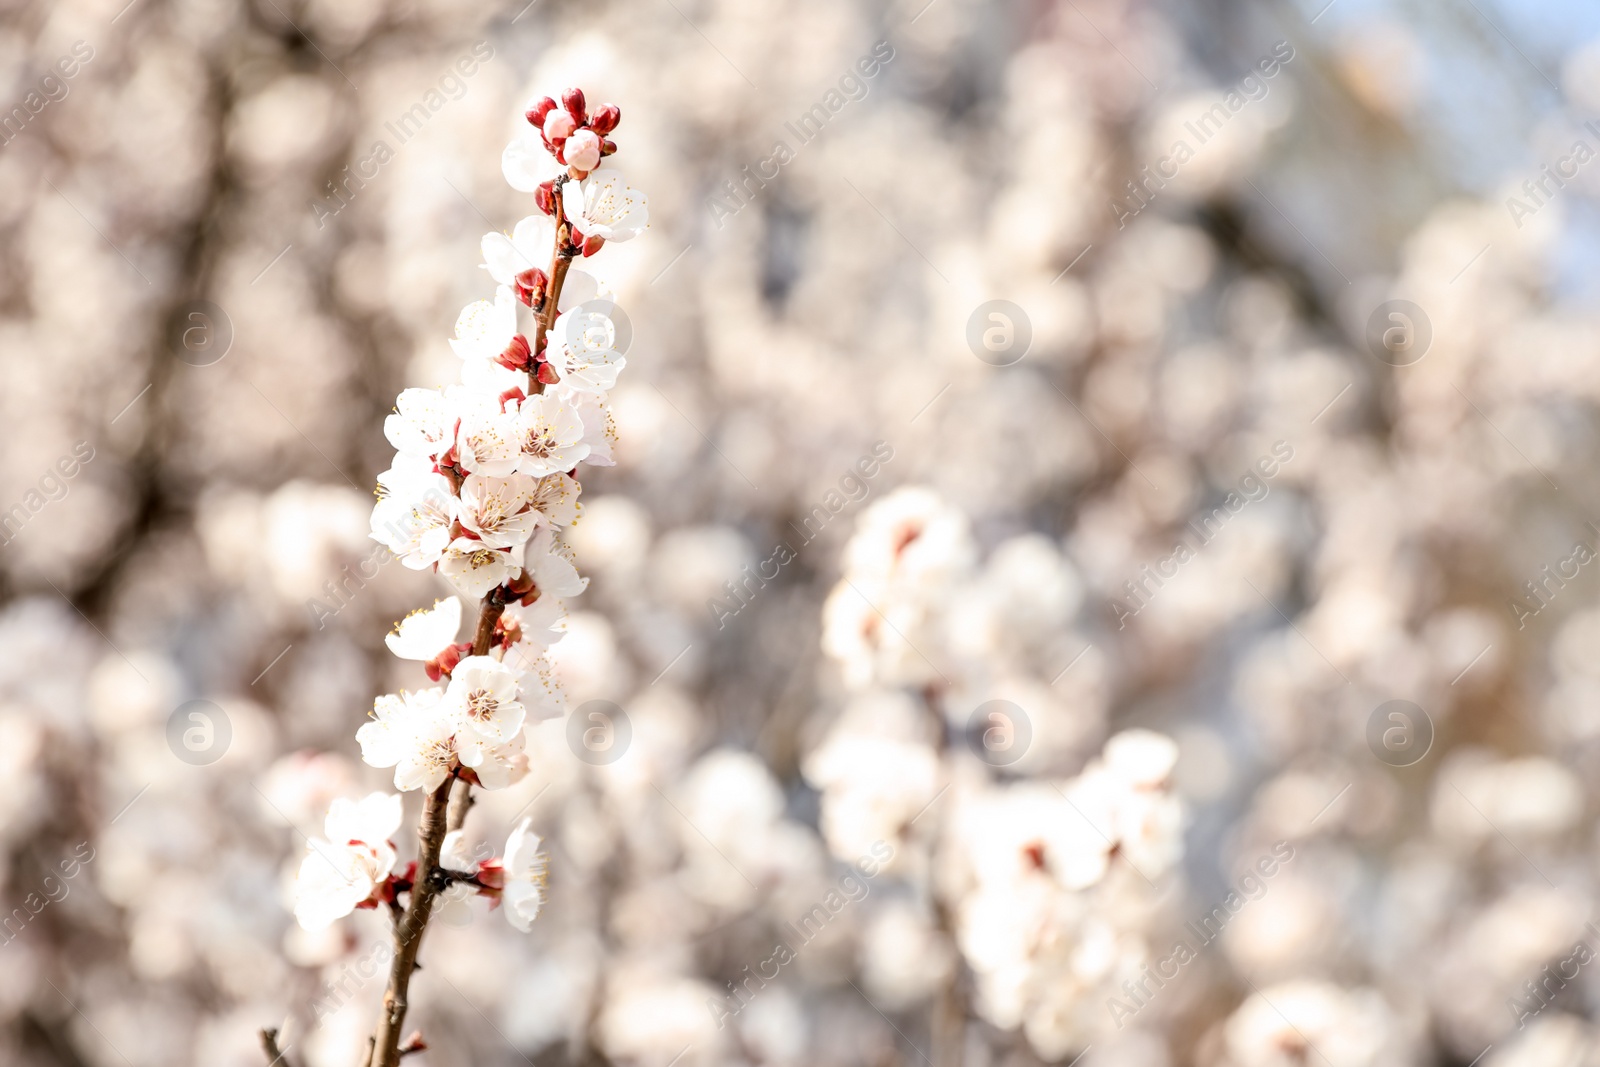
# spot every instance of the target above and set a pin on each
(487, 441)
(453, 854)
(426, 632)
(415, 515)
(581, 348)
(484, 329)
(546, 561)
(423, 423)
(602, 205)
(599, 428)
(343, 871)
(555, 497)
(528, 246)
(482, 699)
(474, 568)
(503, 765)
(526, 163)
(549, 435)
(542, 694)
(538, 626)
(412, 733)
(526, 870)
(499, 511)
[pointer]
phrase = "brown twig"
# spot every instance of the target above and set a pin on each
(560, 260)
(494, 605)
(444, 812)
(269, 1045)
(460, 803)
(408, 934)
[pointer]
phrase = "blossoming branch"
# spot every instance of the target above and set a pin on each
(484, 479)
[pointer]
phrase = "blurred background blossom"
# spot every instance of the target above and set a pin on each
(986, 671)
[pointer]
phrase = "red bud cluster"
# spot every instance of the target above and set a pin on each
(573, 135)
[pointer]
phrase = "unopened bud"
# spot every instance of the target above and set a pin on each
(530, 287)
(536, 114)
(544, 197)
(517, 353)
(591, 245)
(445, 662)
(605, 120)
(582, 150)
(608, 147)
(572, 100)
(558, 126)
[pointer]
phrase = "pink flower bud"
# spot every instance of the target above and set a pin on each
(517, 353)
(537, 113)
(572, 100)
(583, 150)
(558, 126)
(591, 245)
(530, 287)
(608, 147)
(605, 120)
(446, 661)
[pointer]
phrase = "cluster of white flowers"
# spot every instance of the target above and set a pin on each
(1051, 926)
(483, 481)
(1049, 880)
(908, 550)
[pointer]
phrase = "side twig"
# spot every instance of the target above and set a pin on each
(269, 1045)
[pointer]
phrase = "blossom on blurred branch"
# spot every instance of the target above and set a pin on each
(1047, 886)
(484, 478)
